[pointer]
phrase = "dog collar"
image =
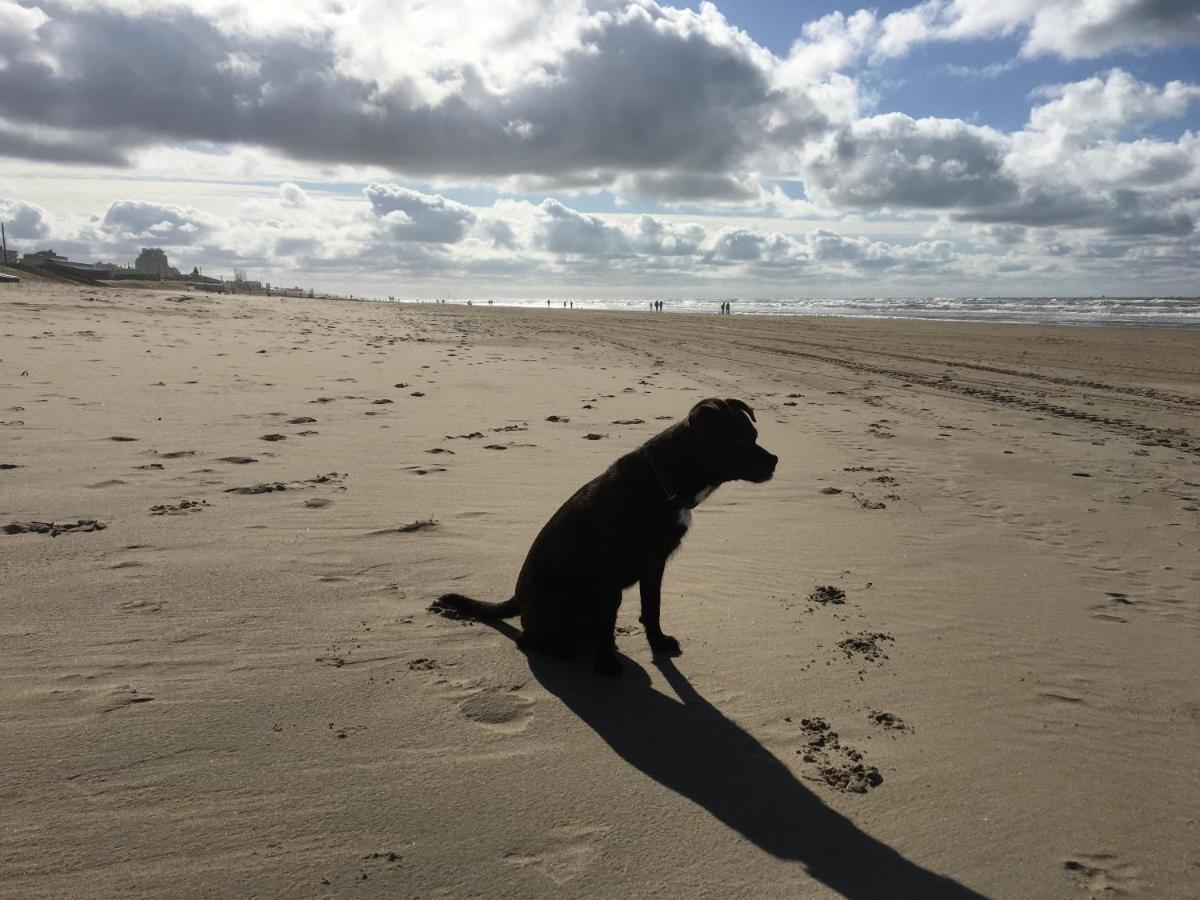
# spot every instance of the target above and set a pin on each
(671, 496)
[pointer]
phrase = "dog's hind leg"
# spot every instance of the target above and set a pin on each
(650, 586)
(552, 644)
(607, 604)
(547, 627)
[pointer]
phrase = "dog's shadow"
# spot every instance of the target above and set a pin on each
(689, 746)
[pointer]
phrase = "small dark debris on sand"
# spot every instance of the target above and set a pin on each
(238, 460)
(271, 486)
(831, 490)
(273, 437)
(888, 720)
(317, 502)
(183, 507)
(827, 593)
(122, 438)
(592, 436)
(562, 419)
(630, 422)
(54, 529)
(7, 466)
(265, 488)
(465, 437)
(382, 401)
(419, 525)
(423, 665)
(439, 450)
(866, 643)
(327, 478)
(521, 427)
(494, 447)
(301, 420)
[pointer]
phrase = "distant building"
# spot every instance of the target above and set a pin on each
(197, 277)
(10, 257)
(41, 257)
(153, 261)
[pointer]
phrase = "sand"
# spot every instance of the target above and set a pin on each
(951, 649)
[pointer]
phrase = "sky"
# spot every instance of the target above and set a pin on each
(613, 148)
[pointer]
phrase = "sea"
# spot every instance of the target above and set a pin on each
(1149, 312)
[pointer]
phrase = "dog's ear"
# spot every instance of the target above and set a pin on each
(711, 411)
(740, 404)
(707, 413)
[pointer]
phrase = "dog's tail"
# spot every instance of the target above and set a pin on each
(456, 606)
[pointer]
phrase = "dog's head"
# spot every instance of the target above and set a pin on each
(723, 442)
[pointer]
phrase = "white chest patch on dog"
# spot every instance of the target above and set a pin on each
(685, 515)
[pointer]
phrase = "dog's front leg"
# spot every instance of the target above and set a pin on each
(651, 588)
(607, 604)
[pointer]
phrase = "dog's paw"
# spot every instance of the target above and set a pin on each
(608, 664)
(665, 645)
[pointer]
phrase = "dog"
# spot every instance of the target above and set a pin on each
(621, 528)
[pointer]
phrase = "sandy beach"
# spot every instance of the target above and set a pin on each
(949, 651)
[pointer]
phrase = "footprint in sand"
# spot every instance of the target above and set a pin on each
(1102, 874)
(141, 606)
(566, 853)
(499, 710)
(121, 697)
(1111, 611)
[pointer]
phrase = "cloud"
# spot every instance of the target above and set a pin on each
(292, 195)
(412, 216)
(830, 44)
(1122, 212)
(629, 88)
(1064, 28)
(501, 234)
(26, 144)
(23, 220)
(893, 160)
(156, 222)
(1109, 105)
(565, 230)
(862, 254)
(656, 238)
(680, 187)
